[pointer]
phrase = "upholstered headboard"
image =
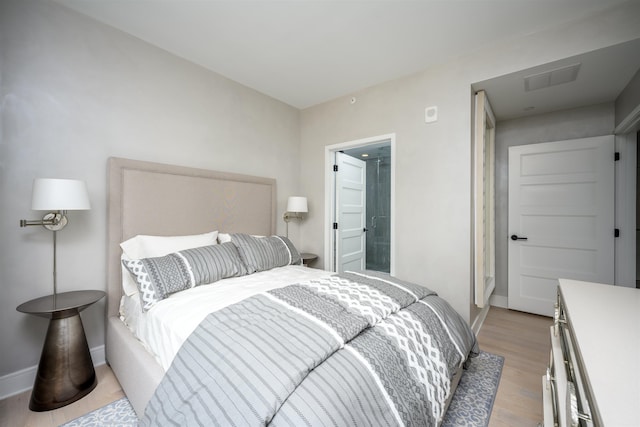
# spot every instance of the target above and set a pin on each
(166, 200)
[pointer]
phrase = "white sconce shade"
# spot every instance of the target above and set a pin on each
(297, 204)
(59, 195)
(296, 207)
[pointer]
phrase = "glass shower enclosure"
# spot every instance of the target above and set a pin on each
(378, 205)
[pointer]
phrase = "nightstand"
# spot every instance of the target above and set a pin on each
(65, 373)
(308, 258)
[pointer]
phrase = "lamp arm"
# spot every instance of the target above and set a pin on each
(26, 222)
(288, 216)
(53, 221)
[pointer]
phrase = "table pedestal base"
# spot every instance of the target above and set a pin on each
(65, 373)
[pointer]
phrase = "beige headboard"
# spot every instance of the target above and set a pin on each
(166, 200)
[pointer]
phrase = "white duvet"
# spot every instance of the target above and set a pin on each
(167, 324)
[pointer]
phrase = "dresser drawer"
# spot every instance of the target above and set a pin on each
(564, 393)
(577, 402)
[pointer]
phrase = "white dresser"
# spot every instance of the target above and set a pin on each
(594, 370)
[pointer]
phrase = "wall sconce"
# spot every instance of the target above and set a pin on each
(296, 208)
(57, 196)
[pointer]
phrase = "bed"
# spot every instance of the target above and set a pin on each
(150, 199)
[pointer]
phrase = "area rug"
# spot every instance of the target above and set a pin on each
(473, 400)
(471, 404)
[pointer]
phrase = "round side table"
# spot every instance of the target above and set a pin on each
(65, 373)
(308, 258)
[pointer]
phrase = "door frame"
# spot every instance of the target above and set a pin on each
(625, 210)
(626, 169)
(484, 241)
(330, 193)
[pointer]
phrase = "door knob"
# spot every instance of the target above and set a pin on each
(365, 229)
(515, 237)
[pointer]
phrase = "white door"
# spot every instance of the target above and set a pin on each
(350, 203)
(561, 218)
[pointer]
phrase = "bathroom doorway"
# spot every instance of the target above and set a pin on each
(375, 237)
(377, 158)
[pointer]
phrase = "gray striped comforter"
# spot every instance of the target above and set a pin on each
(351, 349)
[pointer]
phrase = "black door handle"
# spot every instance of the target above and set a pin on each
(365, 229)
(515, 237)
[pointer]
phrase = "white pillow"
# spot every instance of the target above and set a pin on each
(142, 246)
(226, 237)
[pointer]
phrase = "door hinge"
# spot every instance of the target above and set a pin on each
(616, 156)
(335, 225)
(335, 168)
(616, 232)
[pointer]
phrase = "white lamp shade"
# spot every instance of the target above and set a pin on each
(297, 204)
(59, 195)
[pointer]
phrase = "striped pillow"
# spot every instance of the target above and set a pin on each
(265, 253)
(159, 277)
(212, 263)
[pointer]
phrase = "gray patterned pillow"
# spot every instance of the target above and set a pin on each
(265, 253)
(159, 277)
(212, 263)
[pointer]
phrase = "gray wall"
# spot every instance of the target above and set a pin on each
(584, 122)
(75, 92)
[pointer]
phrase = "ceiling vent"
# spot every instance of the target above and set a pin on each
(551, 78)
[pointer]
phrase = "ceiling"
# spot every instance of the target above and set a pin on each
(306, 52)
(374, 151)
(602, 75)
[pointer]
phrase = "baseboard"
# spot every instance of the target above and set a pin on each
(494, 300)
(22, 380)
(499, 301)
(477, 323)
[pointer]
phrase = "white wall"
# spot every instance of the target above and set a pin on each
(596, 120)
(433, 186)
(75, 92)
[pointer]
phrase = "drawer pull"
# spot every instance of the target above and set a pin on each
(585, 417)
(557, 320)
(549, 376)
(550, 385)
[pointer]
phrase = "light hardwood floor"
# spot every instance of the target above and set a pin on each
(523, 340)
(14, 411)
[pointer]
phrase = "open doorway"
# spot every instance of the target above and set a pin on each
(377, 160)
(536, 106)
(360, 203)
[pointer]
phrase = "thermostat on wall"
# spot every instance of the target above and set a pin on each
(431, 114)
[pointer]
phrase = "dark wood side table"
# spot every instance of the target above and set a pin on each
(65, 373)
(308, 258)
